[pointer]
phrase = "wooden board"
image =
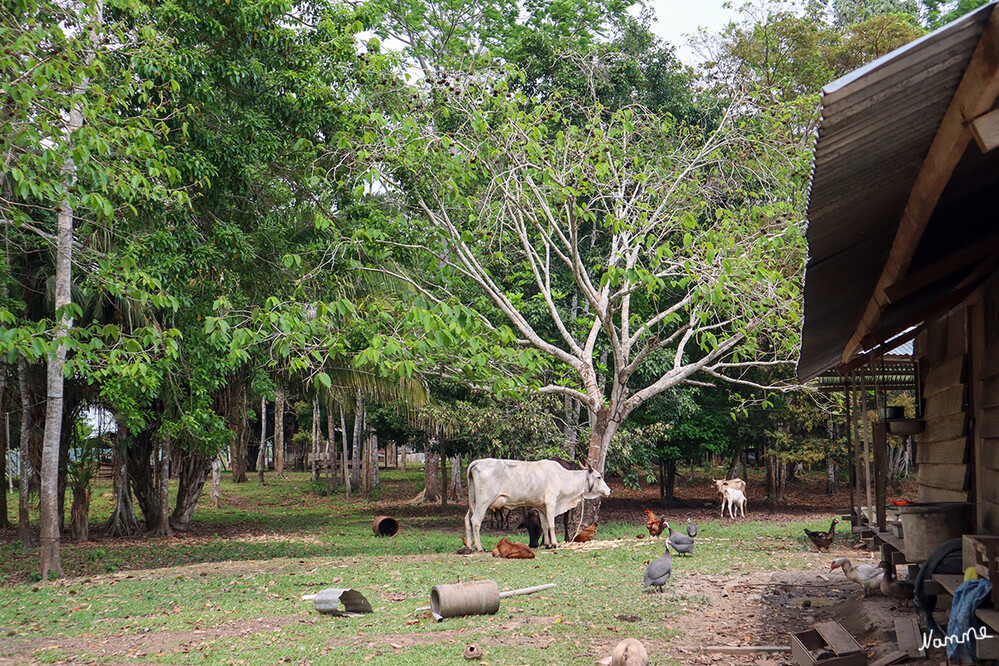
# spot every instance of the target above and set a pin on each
(948, 401)
(950, 477)
(908, 637)
(933, 494)
(952, 451)
(891, 658)
(990, 485)
(988, 423)
(990, 362)
(837, 638)
(944, 428)
(944, 377)
(990, 454)
(989, 392)
(957, 335)
(988, 515)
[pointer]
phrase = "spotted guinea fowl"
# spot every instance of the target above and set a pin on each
(659, 570)
(823, 539)
(868, 576)
(691, 528)
(900, 590)
(681, 543)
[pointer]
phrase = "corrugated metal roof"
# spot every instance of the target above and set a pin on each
(877, 124)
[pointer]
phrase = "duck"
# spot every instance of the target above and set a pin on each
(868, 576)
(659, 570)
(900, 590)
(681, 543)
(823, 539)
(691, 528)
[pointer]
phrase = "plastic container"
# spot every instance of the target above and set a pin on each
(927, 525)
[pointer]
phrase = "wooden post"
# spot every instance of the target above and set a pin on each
(880, 437)
(851, 457)
(867, 449)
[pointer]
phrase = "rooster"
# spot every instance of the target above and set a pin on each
(822, 539)
(585, 534)
(653, 524)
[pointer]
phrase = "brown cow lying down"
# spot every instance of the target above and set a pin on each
(513, 550)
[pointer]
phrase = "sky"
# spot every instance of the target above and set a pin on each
(675, 18)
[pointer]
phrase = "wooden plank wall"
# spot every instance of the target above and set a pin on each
(943, 448)
(987, 413)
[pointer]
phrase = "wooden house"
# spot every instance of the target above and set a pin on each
(903, 239)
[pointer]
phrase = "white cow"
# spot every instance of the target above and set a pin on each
(543, 484)
(733, 497)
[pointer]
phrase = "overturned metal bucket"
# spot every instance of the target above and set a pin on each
(385, 526)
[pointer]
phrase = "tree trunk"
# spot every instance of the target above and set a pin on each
(346, 457)
(733, 465)
(238, 422)
(776, 479)
(671, 467)
(216, 497)
(4, 445)
(262, 451)
(24, 473)
(571, 431)
(122, 522)
(443, 464)
(141, 464)
(333, 475)
(376, 475)
(603, 431)
(79, 525)
(163, 484)
(832, 487)
(431, 477)
(279, 432)
(193, 472)
(315, 440)
(357, 447)
(454, 490)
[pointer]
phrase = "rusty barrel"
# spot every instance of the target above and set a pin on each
(478, 598)
(385, 526)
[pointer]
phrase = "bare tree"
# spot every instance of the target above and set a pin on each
(680, 243)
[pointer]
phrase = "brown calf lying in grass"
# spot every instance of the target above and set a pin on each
(513, 550)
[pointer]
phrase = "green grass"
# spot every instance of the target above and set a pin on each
(231, 593)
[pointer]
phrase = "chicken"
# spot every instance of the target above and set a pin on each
(823, 539)
(900, 590)
(659, 570)
(868, 576)
(653, 524)
(681, 543)
(585, 534)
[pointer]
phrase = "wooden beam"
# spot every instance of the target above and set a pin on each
(942, 268)
(986, 130)
(975, 96)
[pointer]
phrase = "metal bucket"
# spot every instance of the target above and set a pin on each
(478, 598)
(927, 525)
(385, 526)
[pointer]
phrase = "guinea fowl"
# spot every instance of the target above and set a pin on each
(681, 543)
(868, 576)
(823, 539)
(653, 524)
(691, 528)
(900, 590)
(659, 570)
